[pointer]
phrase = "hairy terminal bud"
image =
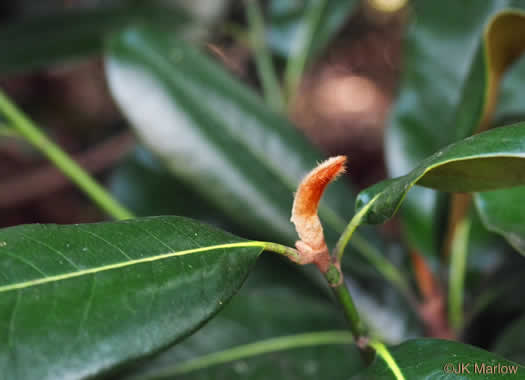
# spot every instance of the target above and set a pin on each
(312, 245)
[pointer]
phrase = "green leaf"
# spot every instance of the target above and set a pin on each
(257, 319)
(146, 187)
(511, 342)
(216, 135)
(453, 91)
(89, 297)
(502, 212)
(143, 184)
(426, 359)
(470, 165)
(73, 34)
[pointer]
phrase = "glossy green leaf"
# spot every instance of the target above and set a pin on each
(257, 316)
(78, 300)
(511, 342)
(216, 135)
(73, 34)
(426, 359)
(451, 90)
(470, 165)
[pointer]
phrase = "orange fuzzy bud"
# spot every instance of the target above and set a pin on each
(304, 211)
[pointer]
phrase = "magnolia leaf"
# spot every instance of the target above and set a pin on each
(432, 359)
(479, 47)
(470, 165)
(79, 300)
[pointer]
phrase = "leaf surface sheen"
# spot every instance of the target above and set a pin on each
(107, 293)
(470, 165)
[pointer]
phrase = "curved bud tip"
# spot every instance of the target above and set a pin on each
(309, 193)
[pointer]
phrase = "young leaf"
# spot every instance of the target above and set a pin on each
(79, 300)
(473, 164)
(426, 359)
(72, 34)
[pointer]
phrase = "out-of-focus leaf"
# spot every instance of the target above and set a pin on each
(433, 86)
(73, 34)
(433, 359)
(271, 304)
(146, 187)
(470, 165)
(502, 211)
(511, 342)
(215, 134)
(79, 300)
(296, 26)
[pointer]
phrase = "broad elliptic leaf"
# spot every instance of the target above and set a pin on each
(273, 306)
(215, 134)
(434, 359)
(473, 164)
(79, 300)
(73, 34)
(455, 91)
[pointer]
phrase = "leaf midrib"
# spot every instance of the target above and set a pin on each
(430, 168)
(118, 265)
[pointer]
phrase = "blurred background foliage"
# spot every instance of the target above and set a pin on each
(339, 68)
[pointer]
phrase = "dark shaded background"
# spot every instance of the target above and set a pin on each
(341, 106)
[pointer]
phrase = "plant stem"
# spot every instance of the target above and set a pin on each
(357, 327)
(302, 48)
(6, 131)
(363, 247)
(334, 277)
(458, 263)
(356, 221)
(79, 176)
(263, 58)
(284, 250)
